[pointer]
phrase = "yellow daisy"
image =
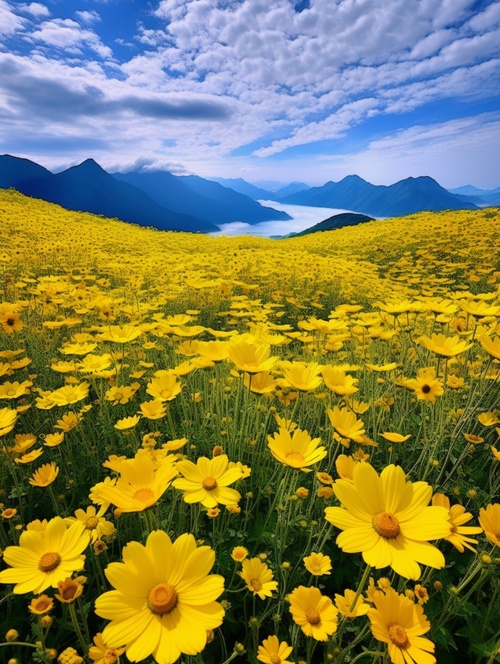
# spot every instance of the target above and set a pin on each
(296, 449)
(207, 482)
(258, 577)
(313, 612)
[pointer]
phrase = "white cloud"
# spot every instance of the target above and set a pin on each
(10, 23)
(35, 9)
(69, 35)
(88, 17)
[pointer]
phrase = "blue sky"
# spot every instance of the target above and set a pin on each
(283, 90)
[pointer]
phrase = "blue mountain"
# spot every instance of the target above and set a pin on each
(405, 197)
(205, 199)
(89, 188)
(482, 197)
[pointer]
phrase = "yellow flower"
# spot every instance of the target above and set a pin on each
(471, 438)
(345, 604)
(95, 363)
(260, 383)
(53, 439)
(394, 437)
(69, 590)
(387, 519)
(164, 599)
(457, 517)
(42, 559)
(318, 564)
(296, 449)
(258, 577)
(207, 482)
(496, 453)
(338, 381)
(101, 654)
(489, 518)
(400, 623)
(69, 394)
(346, 424)
(121, 395)
(8, 419)
(139, 486)
(153, 410)
(444, 346)
(491, 346)
(164, 386)
(41, 605)
(250, 357)
(272, 651)
(127, 423)
(239, 553)
(421, 594)
(93, 521)
(488, 419)
(68, 422)
(426, 386)
(120, 334)
(14, 390)
(70, 656)
(44, 475)
(313, 612)
(303, 376)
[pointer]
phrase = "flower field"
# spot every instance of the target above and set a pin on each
(238, 448)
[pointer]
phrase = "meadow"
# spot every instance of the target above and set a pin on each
(237, 448)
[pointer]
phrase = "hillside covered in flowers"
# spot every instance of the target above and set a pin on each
(237, 448)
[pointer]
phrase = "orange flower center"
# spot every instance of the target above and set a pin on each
(111, 656)
(386, 525)
(162, 599)
(92, 522)
(313, 617)
(275, 659)
(49, 561)
(398, 636)
(256, 584)
(144, 495)
(209, 483)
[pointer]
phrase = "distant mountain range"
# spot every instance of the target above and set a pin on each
(160, 199)
(399, 199)
(191, 203)
(335, 222)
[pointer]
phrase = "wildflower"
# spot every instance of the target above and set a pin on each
(69, 394)
(70, 656)
(53, 439)
(121, 395)
(139, 486)
(258, 577)
(11, 635)
(313, 612)
(455, 382)
(491, 346)
(68, 422)
(8, 419)
(207, 482)
(471, 438)
(488, 419)
(164, 386)
(251, 358)
(153, 410)
(239, 553)
(489, 518)
(387, 519)
(421, 594)
(42, 559)
(120, 334)
(324, 478)
(69, 590)
(93, 521)
(127, 423)
(338, 381)
(272, 651)
(400, 623)
(31, 456)
(302, 376)
(346, 607)
(44, 475)
(444, 346)
(260, 383)
(346, 424)
(8, 513)
(14, 390)
(457, 517)
(394, 437)
(41, 605)
(496, 453)
(302, 492)
(164, 598)
(318, 564)
(426, 386)
(296, 449)
(101, 654)
(213, 512)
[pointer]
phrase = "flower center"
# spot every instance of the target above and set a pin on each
(144, 495)
(295, 459)
(386, 525)
(313, 617)
(162, 599)
(49, 561)
(398, 636)
(209, 483)
(256, 584)
(275, 659)
(92, 522)
(111, 656)
(426, 389)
